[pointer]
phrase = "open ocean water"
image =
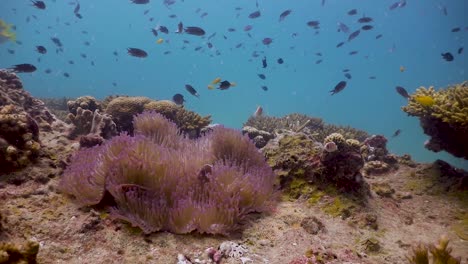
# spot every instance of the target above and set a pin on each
(414, 35)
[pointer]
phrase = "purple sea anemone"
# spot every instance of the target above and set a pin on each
(160, 180)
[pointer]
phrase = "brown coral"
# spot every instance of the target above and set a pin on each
(19, 138)
(122, 110)
(84, 102)
(188, 122)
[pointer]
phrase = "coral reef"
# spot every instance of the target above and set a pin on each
(19, 138)
(23, 253)
(259, 137)
(375, 167)
(346, 131)
(343, 165)
(269, 125)
(188, 122)
(58, 107)
(160, 180)
(295, 122)
(122, 110)
(440, 253)
(444, 118)
(299, 156)
(91, 125)
(21, 118)
(84, 102)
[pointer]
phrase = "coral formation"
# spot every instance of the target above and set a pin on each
(375, 167)
(298, 122)
(343, 166)
(293, 122)
(23, 253)
(298, 156)
(259, 137)
(445, 120)
(19, 138)
(58, 107)
(188, 122)
(91, 124)
(160, 180)
(122, 110)
(84, 102)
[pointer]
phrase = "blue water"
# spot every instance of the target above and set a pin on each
(413, 37)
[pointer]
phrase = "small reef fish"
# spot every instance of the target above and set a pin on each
(248, 28)
(261, 76)
(39, 4)
(313, 24)
(163, 29)
(460, 50)
(343, 28)
(76, 11)
(180, 28)
(284, 15)
(396, 133)
(267, 41)
(402, 69)
(402, 91)
(447, 56)
(264, 88)
(25, 67)
(352, 12)
(258, 111)
(178, 99)
(192, 90)
(367, 27)
(338, 88)
(365, 19)
(159, 41)
(41, 49)
(354, 35)
(140, 2)
(216, 81)
(424, 100)
(255, 14)
(135, 52)
(224, 85)
(280, 61)
(264, 62)
(210, 87)
(197, 31)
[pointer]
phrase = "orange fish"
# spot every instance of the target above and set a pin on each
(402, 69)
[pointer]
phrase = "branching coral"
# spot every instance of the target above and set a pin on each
(444, 117)
(160, 180)
(293, 122)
